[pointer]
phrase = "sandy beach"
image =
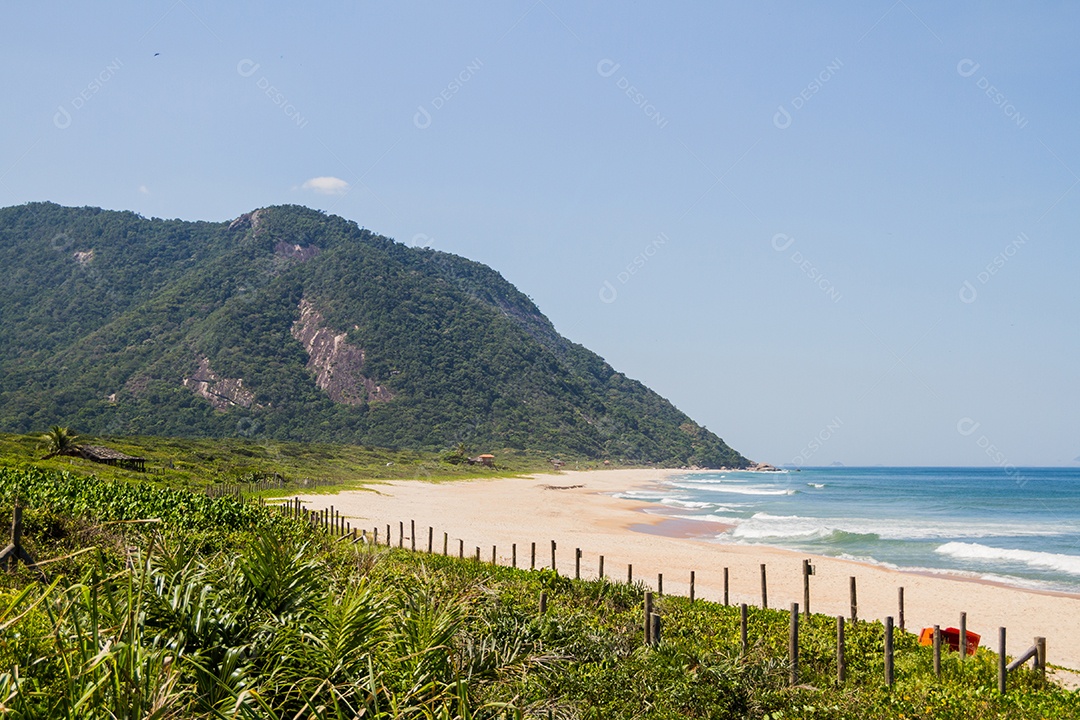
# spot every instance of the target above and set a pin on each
(577, 510)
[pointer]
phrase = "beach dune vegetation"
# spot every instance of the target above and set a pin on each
(166, 604)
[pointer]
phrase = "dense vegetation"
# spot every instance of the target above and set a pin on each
(104, 314)
(196, 463)
(229, 610)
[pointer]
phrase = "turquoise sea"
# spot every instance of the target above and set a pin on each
(1021, 527)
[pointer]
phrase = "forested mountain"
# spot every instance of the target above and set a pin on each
(291, 324)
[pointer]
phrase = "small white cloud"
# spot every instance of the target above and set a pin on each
(144, 190)
(327, 185)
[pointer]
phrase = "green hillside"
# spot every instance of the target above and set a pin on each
(290, 324)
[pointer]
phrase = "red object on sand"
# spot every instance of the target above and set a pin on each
(950, 636)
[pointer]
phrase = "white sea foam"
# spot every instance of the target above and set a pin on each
(974, 551)
(643, 495)
(706, 518)
(679, 502)
(816, 485)
(710, 481)
(764, 526)
(738, 489)
(950, 572)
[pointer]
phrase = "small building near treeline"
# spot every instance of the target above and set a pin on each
(115, 458)
(487, 460)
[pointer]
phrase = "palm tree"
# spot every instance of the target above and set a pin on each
(59, 441)
(457, 454)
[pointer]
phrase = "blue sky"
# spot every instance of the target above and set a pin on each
(828, 233)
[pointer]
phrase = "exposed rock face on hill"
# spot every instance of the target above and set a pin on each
(303, 326)
(222, 393)
(292, 251)
(336, 363)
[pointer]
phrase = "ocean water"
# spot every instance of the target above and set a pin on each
(1020, 527)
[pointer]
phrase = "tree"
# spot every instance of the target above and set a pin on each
(59, 441)
(457, 455)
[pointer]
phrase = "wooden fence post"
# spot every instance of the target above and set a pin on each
(445, 542)
(543, 602)
(1040, 656)
(532, 561)
(401, 534)
(430, 539)
(477, 553)
(601, 567)
(1001, 661)
(764, 588)
(16, 530)
(630, 574)
(900, 600)
(742, 630)
(654, 632)
(388, 535)
(461, 549)
(577, 563)
(14, 551)
(793, 645)
(937, 651)
(841, 661)
(963, 636)
(854, 602)
(807, 571)
(647, 615)
(889, 651)
(725, 586)
(376, 536)
(493, 562)
(412, 535)
(513, 555)
(553, 556)
(659, 583)
(691, 586)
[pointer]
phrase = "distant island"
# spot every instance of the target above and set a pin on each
(290, 324)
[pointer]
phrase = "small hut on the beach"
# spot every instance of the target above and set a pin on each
(487, 460)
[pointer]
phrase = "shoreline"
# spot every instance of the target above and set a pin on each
(682, 528)
(717, 527)
(578, 510)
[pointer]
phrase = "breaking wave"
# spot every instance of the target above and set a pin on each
(974, 551)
